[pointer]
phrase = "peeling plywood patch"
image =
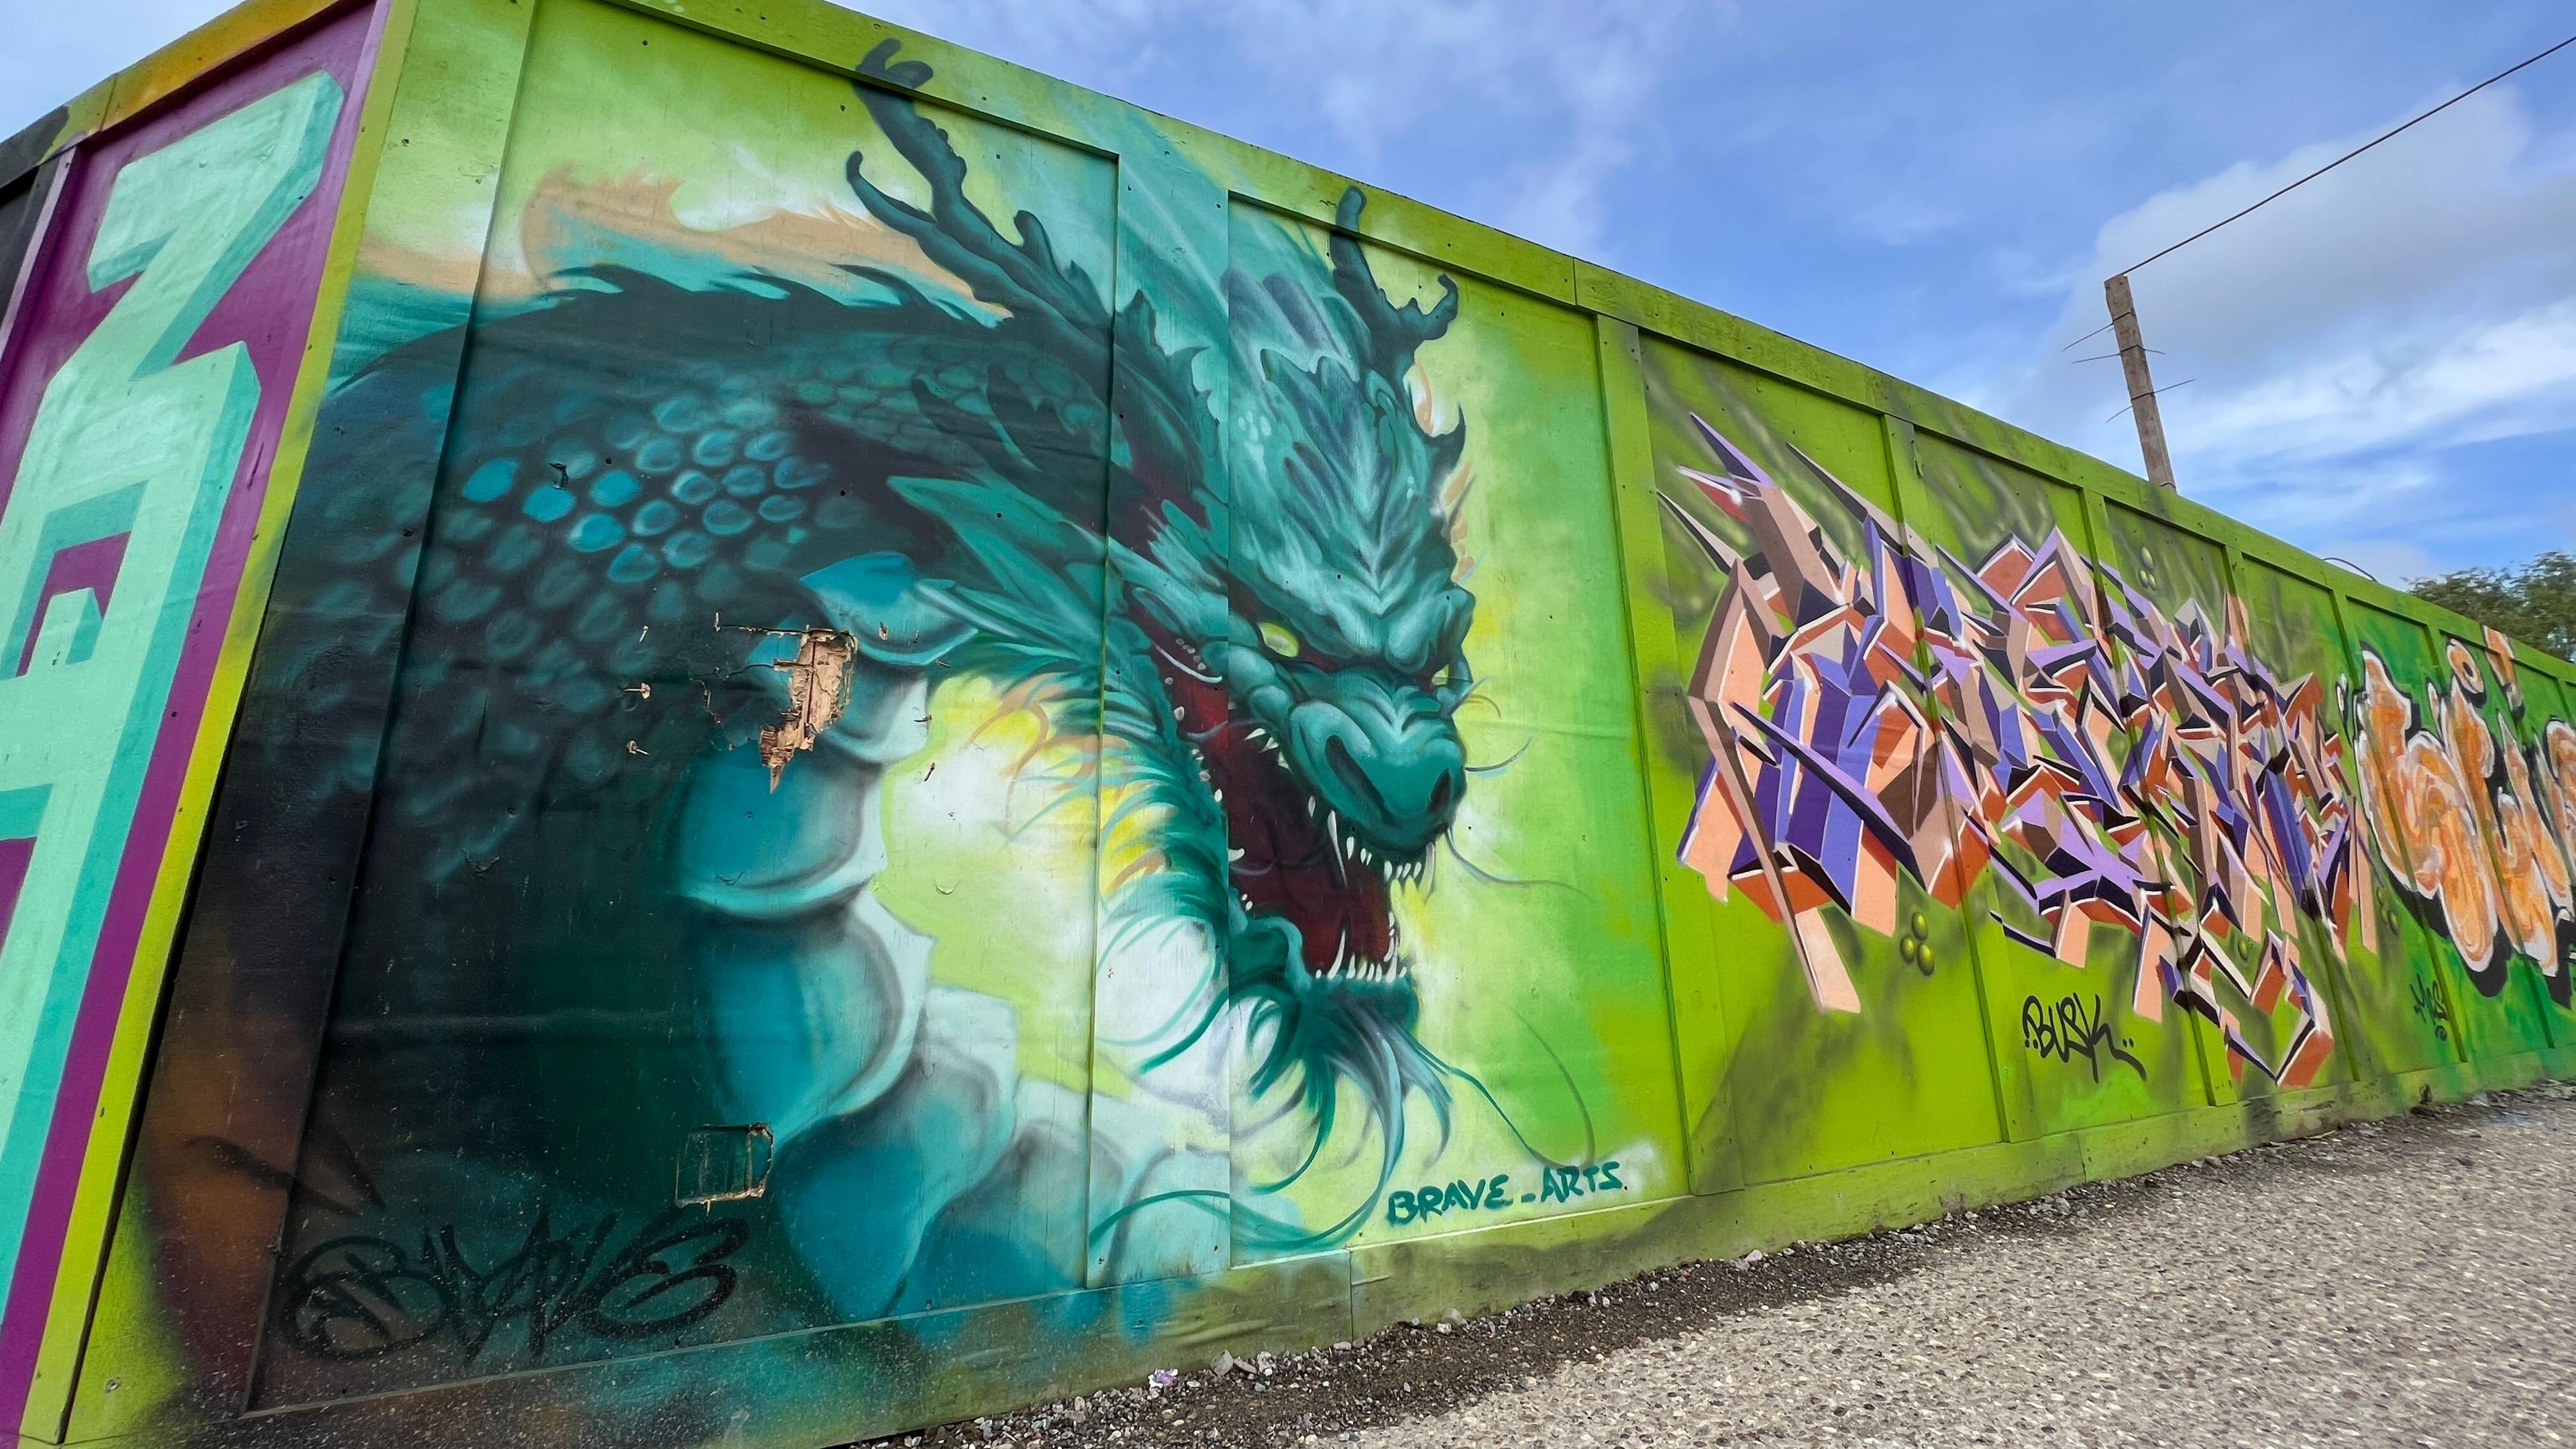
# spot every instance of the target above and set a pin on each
(818, 689)
(723, 1164)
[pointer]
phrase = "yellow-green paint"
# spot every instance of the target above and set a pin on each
(1598, 1065)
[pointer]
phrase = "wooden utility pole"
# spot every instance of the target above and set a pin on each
(2142, 388)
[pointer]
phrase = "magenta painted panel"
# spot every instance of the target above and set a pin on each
(145, 384)
(14, 855)
(74, 567)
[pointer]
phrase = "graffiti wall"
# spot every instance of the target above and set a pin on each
(914, 740)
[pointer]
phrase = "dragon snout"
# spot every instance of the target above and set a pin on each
(1385, 759)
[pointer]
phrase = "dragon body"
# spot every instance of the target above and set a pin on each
(656, 491)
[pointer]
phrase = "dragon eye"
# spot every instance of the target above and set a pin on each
(1277, 639)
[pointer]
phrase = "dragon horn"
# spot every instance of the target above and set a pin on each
(1026, 278)
(880, 65)
(1393, 332)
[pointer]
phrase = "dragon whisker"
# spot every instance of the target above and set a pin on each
(1591, 1139)
(1450, 844)
(1314, 1149)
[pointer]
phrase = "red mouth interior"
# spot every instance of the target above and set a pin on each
(1289, 867)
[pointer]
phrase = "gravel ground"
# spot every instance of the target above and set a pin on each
(2407, 1283)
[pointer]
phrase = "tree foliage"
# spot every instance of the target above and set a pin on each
(2535, 603)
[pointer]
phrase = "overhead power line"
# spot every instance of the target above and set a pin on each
(2124, 309)
(2357, 150)
(2096, 332)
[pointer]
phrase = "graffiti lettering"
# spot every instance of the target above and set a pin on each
(1899, 716)
(361, 1296)
(2477, 829)
(1555, 1184)
(1433, 1199)
(112, 548)
(2071, 1029)
(2430, 1007)
(1559, 1184)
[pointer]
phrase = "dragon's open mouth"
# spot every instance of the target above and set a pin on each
(1293, 858)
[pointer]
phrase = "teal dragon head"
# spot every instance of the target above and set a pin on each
(1304, 608)
(1286, 639)
(1306, 621)
(1344, 646)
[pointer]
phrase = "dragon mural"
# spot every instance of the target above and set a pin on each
(706, 545)
(844, 798)
(1904, 714)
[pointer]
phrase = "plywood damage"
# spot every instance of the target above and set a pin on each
(818, 688)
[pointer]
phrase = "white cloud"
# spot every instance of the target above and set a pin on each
(1564, 98)
(2422, 379)
(1558, 201)
(1899, 219)
(2392, 561)
(2350, 495)
(2418, 298)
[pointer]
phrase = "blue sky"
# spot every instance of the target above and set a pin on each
(2382, 367)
